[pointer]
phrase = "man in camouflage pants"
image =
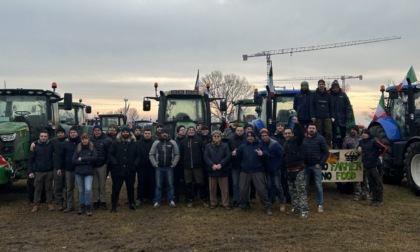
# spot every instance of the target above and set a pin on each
(294, 162)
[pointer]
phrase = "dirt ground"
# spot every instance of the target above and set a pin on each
(345, 225)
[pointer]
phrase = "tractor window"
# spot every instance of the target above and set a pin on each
(246, 113)
(283, 106)
(398, 110)
(184, 109)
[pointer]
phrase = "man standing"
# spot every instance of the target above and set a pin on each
(192, 151)
(145, 170)
(179, 169)
(315, 153)
(341, 111)
(102, 144)
(164, 156)
(321, 110)
(137, 133)
(41, 169)
(294, 162)
(234, 142)
(112, 131)
(251, 155)
(68, 148)
(122, 156)
(302, 104)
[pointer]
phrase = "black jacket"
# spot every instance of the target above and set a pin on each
(41, 158)
(293, 153)
(192, 150)
(341, 109)
(142, 156)
(102, 145)
(122, 155)
(56, 142)
(234, 142)
(217, 154)
(315, 150)
(68, 147)
(321, 104)
(371, 150)
(302, 104)
(88, 155)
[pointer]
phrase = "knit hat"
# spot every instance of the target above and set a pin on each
(205, 128)
(335, 84)
(366, 131)
(264, 130)
(248, 126)
(125, 128)
(85, 136)
(304, 83)
(97, 127)
(73, 128)
(60, 129)
(164, 130)
(355, 128)
(251, 133)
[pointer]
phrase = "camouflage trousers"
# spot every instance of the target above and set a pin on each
(297, 189)
(361, 189)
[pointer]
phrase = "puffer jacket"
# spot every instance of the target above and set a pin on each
(102, 145)
(371, 150)
(41, 158)
(122, 156)
(321, 105)
(217, 154)
(274, 162)
(164, 153)
(293, 154)
(234, 142)
(88, 156)
(302, 104)
(191, 150)
(315, 150)
(250, 161)
(341, 109)
(67, 150)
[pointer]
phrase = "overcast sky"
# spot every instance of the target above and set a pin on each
(105, 51)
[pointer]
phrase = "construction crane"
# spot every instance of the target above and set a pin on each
(341, 77)
(268, 54)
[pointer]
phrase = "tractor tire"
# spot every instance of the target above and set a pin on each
(412, 167)
(392, 174)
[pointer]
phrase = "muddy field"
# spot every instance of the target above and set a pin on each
(345, 225)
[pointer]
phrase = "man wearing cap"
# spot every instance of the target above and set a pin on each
(321, 111)
(252, 154)
(122, 155)
(199, 127)
(273, 168)
(341, 111)
(68, 148)
(164, 156)
(302, 103)
(192, 151)
(159, 128)
(102, 143)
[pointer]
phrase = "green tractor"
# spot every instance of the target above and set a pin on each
(107, 119)
(23, 114)
(75, 117)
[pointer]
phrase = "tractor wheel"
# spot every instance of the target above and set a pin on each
(392, 174)
(412, 167)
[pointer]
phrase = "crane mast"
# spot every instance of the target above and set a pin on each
(336, 77)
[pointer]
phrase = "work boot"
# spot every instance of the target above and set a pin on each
(114, 208)
(81, 209)
(96, 205)
(132, 206)
(88, 210)
(51, 207)
(60, 207)
(103, 206)
(35, 209)
(68, 209)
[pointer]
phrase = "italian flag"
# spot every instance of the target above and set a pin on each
(270, 83)
(410, 74)
(197, 81)
(3, 162)
(380, 110)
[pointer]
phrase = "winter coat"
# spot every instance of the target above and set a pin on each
(274, 162)
(371, 150)
(233, 143)
(341, 109)
(68, 147)
(315, 150)
(122, 155)
(278, 136)
(102, 145)
(293, 153)
(56, 142)
(192, 150)
(351, 142)
(142, 156)
(164, 153)
(88, 155)
(320, 105)
(302, 104)
(41, 158)
(217, 154)
(250, 161)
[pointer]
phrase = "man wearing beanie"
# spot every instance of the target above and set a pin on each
(68, 148)
(341, 111)
(321, 111)
(102, 143)
(301, 104)
(252, 154)
(59, 181)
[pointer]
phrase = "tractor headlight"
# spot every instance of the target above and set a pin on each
(8, 138)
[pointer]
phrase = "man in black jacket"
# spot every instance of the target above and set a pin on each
(321, 110)
(59, 181)
(302, 104)
(41, 168)
(67, 150)
(122, 156)
(102, 144)
(315, 153)
(234, 142)
(145, 170)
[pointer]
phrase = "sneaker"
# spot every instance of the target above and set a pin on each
(212, 206)
(227, 208)
(156, 205)
(268, 211)
(138, 203)
(364, 197)
(293, 211)
(68, 209)
(35, 209)
(103, 206)
(377, 203)
(60, 207)
(96, 205)
(172, 204)
(320, 209)
(282, 208)
(356, 198)
(132, 206)
(204, 204)
(190, 204)
(51, 207)
(303, 216)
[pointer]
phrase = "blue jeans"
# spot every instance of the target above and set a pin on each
(164, 174)
(274, 186)
(84, 183)
(235, 184)
(317, 174)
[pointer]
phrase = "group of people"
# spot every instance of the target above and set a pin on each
(199, 164)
